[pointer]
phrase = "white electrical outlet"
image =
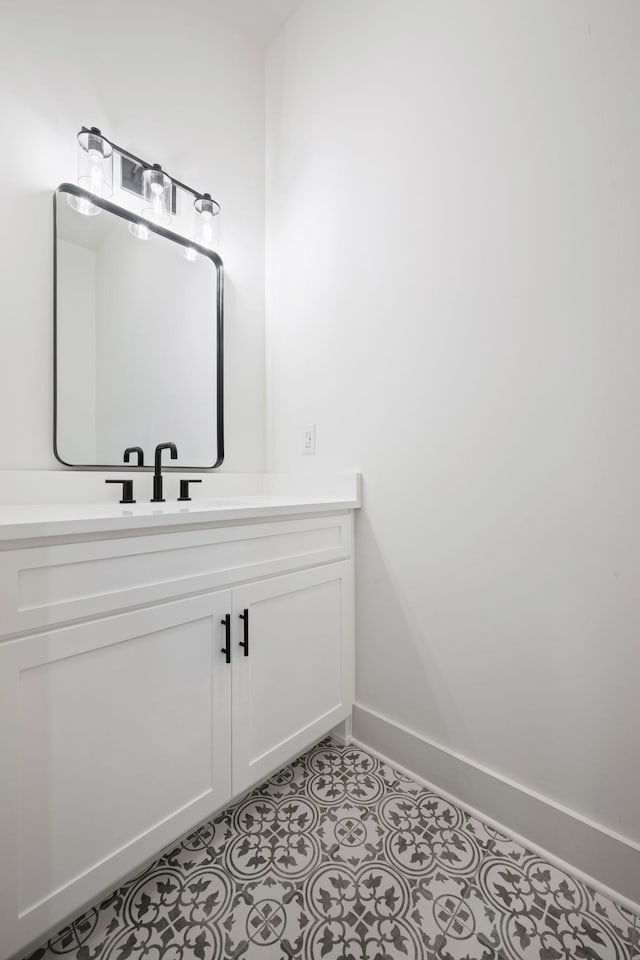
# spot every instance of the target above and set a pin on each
(308, 438)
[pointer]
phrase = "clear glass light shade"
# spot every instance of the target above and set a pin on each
(207, 222)
(95, 163)
(157, 193)
(95, 170)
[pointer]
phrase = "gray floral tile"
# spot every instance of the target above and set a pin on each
(622, 921)
(544, 913)
(426, 833)
(268, 918)
(492, 841)
(349, 834)
(285, 783)
(397, 781)
(340, 857)
(273, 836)
(341, 775)
(450, 920)
(360, 912)
(201, 847)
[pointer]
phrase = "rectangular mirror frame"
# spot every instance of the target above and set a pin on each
(70, 188)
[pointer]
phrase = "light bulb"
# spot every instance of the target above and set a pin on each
(156, 189)
(157, 205)
(207, 222)
(95, 171)
(207, 234)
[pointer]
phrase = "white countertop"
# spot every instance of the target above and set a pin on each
(40, 520)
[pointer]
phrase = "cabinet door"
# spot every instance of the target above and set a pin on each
(114, 740)
(295, 681)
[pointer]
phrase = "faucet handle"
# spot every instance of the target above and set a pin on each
(184, 489)
(127, 490)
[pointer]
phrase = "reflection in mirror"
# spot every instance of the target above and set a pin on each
(138, 327)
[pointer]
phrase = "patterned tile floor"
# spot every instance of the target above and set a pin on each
(339, 856)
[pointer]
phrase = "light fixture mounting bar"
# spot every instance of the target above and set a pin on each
(132, 180)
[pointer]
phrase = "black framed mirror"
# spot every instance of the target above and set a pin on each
(138, 338)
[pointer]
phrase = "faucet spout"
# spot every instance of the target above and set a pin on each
(139, 451)
(157, 475)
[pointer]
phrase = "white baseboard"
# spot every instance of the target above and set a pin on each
(601, 858)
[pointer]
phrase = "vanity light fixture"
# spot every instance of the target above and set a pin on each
(160, 193)
(95, 170)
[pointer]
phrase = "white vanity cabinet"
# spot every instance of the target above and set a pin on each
(122, 725)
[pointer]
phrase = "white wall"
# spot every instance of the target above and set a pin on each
(175, 83)
(453, 298)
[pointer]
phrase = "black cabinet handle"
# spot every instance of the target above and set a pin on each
(127, 490)
(245, 643)
(184, 489)
(226, 623)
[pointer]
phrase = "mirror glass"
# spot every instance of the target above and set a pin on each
(138, 341)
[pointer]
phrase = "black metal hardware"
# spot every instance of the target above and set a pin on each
(131, 179)
(76, 191)
(245, 643)
(127, 490)
(226, 623)
(157, 476)
(184, 489)
(137, 450)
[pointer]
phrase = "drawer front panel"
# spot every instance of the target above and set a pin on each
(44, 586)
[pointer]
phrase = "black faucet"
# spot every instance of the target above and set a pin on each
(137, 450)
(157, 476)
